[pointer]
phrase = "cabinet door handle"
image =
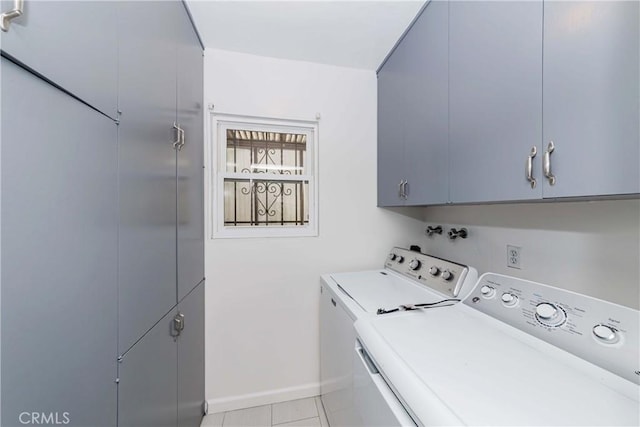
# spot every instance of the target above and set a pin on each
(180, 138)
(547, 163)
(404, 189)
(7, 17)
(178, 324)
(530, 177)
(400, 194)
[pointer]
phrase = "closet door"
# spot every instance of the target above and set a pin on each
(190, 162)
(147, 169)
(148, 378)
(59, 255)
(191, 359)
(72, 43)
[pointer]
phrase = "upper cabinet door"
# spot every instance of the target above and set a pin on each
(391, 130)
(591, 104)
(426, 107)
(72, 43)
(147, 165)
(495, 100)
(190, 159)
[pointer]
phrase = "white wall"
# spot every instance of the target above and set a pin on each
(587, 247)
(262, 295)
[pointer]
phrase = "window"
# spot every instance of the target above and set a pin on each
(263, 179)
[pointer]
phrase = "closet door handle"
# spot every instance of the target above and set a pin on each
(530, 177)
(180, 138)
(7, 17)
(404, 189)
(546, 163)
(400, 194)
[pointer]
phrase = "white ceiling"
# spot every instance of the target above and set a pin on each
(356, 34)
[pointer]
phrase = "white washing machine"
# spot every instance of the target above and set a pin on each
(514, 352)
(409, 281)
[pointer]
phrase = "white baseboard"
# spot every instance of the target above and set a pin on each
(262, 398)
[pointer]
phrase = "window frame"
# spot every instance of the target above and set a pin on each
(217, 147)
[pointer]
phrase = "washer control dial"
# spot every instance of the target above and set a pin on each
(606, 334)
(400, 259)
(447, 275)
(509, 299)
(434, 271)
(488, 291)
(414, 264)
(550, 314)
(392, 256)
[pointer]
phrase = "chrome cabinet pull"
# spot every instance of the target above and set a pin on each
(7, 17)
(547, 163)
(182, 142)
(178, 324)
(179, 142)
(400, 189)
(405, 194)
(530, 177)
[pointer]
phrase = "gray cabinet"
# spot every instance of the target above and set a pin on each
(147, 169)
(495, 99)
(190, 161)
(59, 255)
(191, 359)
(161, 245)
(161, 378)
(591, 103)
(71, 43)
(412, 115)
(148, 379)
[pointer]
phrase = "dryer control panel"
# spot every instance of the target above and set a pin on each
(601, 332)
(447, 277)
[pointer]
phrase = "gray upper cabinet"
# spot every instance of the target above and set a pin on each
(495, 100)
(190, 161)
(59, 255)
(591, 103)
(391, 131)
(71, 43)
(147, 168)
(412, 114)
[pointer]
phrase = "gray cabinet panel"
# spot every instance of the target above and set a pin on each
(495, 99)
(391, 130)
(591, 103)
(191, 359)
(59, 255)
(147, 170)
(72, 43)
(148, 379)
(190, 160)
(426, 107)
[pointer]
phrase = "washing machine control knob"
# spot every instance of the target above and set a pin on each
(447, 275)
(509, 299)
(550, 314)
(434, 271)
(414, 264)
(606, 334)
(488, 291)
(400, 259)
(392, 256)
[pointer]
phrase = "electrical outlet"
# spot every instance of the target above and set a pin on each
(514, 258)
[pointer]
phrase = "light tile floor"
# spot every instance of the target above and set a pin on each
(294, 413)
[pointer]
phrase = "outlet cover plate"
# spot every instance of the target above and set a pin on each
(514, 256)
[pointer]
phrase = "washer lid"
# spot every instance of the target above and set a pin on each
(458, 364)
(383, 289)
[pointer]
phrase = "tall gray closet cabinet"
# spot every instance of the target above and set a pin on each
(101, 215)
